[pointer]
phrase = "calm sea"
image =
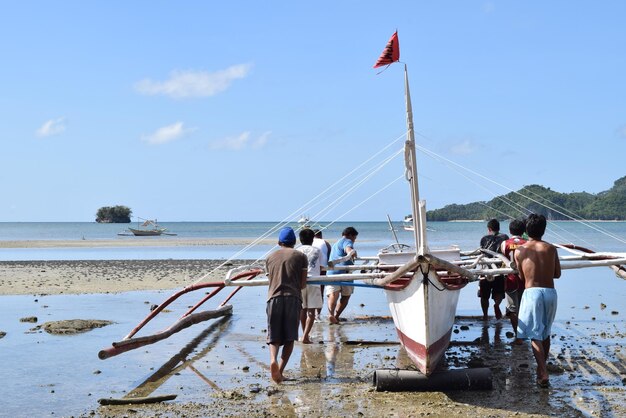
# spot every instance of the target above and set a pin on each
(606, 236)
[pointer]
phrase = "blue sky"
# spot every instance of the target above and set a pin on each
(244, 111)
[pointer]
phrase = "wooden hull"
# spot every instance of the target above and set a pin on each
(146, 232)
(423, 312)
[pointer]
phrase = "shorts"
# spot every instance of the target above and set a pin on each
(536, 314)
(513, 299)
(283, 319)
(493, 288)
(343, 290)
(312, 297)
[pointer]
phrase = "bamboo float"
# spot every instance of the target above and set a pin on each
(132, 401)
(132, 343)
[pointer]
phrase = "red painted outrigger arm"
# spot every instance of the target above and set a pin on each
(189, 318)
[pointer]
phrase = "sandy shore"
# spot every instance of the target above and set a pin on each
(131, 242)
(107, 276)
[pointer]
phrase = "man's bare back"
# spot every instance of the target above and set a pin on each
(538, 263)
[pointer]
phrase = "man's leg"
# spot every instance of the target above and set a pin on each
(332, 305)
(310, 318)
(274, 367)
(483, 293)
(546, 349)
(343, 302)
(540, 358)
(514, 322)
(484, 304)
(497, 300)
(284, 358)
(303, 319)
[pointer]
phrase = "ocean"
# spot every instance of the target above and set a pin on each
(372, 237)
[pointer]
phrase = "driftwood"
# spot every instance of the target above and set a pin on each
(128, 401)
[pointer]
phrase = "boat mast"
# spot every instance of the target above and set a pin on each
(418, 208)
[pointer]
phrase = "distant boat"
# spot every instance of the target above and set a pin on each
(408, 223)
(149, 228)
(304, 221)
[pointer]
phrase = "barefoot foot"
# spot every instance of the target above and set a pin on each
(276, 374)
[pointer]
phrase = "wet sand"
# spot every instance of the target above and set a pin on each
(106, 276)
(223, 371)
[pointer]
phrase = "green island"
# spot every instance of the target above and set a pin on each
(114, 214)
(609, 205)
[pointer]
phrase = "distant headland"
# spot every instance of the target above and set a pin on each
(609, 205)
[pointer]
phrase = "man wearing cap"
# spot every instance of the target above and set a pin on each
(287, 272)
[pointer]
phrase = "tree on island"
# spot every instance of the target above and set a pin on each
(116, 214)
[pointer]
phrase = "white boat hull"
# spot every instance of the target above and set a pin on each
(423, 312)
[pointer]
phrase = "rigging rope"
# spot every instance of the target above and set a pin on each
(323, 195)
(459, 166)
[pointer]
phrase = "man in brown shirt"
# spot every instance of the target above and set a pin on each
(538, 265)
(287, 272)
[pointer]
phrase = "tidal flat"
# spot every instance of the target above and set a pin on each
(220, 367)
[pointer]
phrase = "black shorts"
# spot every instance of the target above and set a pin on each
(494, 288)
(283, 319)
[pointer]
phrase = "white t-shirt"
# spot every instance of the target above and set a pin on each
(320, 244)
(314, 256)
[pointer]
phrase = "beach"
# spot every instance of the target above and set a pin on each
(105, 276)
(219, 368)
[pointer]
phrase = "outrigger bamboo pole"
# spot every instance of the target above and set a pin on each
(132, 343)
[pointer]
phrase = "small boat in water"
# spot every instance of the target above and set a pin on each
(148, 228)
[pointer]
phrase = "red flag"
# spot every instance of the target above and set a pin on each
(391, 53)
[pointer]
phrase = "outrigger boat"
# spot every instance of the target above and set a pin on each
(422, 285)
(149, 228)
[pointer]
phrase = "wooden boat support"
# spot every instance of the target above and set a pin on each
(132, 343)
(413, 381)
(136, 401)
(616, 264)
(189, 318)
(440, 263)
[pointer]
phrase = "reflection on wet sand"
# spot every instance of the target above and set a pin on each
(182, 360)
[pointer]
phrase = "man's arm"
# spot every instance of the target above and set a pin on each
(303, 278)
(557, 264)
(517, 255)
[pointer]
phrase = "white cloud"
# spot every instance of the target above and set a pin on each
(51, 127)
(184, 84)
(167, 134)
(622, 131)
(241, 142)
(464, 147)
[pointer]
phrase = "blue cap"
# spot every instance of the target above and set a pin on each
(287, 236)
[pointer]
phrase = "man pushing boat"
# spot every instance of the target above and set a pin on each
(287, 273)
(538, 264)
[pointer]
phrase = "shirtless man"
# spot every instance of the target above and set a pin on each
(538, 265)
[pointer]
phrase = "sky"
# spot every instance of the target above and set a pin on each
(249, 111)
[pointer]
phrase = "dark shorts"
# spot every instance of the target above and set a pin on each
(283, 319)
(494, 288)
